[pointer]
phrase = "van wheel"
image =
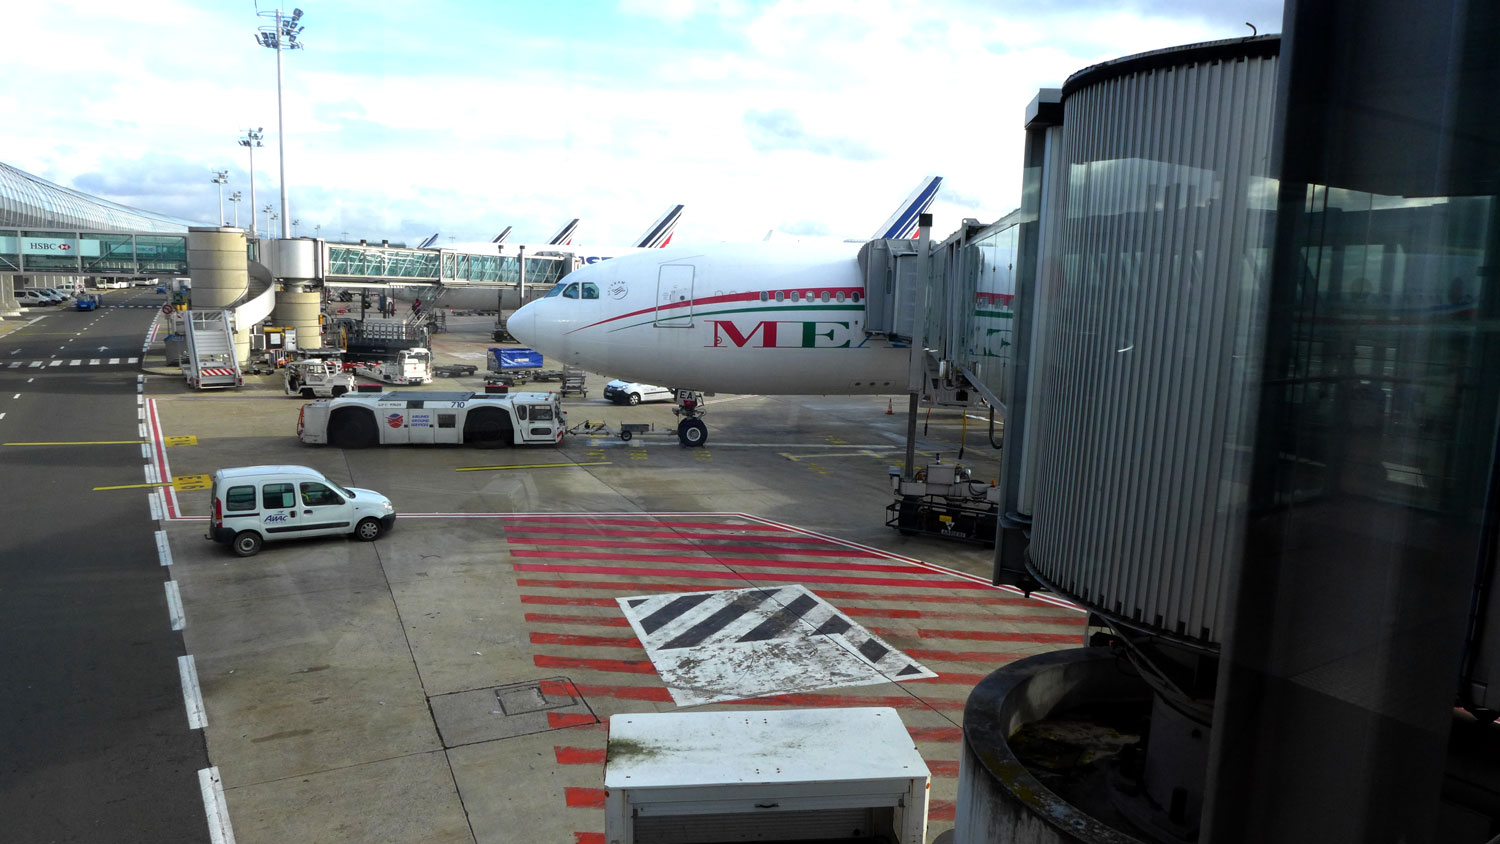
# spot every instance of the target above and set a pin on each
(247, 543)
(368, 529)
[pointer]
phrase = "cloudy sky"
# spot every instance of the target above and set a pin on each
(465, 117)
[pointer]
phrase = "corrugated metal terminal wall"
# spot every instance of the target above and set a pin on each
(1153, 334)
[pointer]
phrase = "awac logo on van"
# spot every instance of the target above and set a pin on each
(394, 420)
(275, 517)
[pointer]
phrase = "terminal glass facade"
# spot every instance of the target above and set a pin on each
(92, 253)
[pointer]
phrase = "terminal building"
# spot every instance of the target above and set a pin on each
(1244, 336)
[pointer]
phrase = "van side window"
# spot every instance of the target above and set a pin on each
(315, 494)
(278, 496)
(239, 499)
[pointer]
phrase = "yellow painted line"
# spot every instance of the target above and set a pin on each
(99, 442)
(184, 483)
(797, 458)
(532, 466)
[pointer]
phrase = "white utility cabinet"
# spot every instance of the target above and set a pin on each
(764, 776)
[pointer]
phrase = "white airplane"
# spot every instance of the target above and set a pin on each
(777, 318)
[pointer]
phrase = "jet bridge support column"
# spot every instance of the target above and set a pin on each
(295, 263)
(218, 266)
(918, 370)
(299, 306)
(9, 307)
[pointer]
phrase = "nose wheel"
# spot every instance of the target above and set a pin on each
(691, 431)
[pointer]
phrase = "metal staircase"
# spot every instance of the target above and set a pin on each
(210, 360)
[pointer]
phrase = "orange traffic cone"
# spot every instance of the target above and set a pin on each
(889, 407)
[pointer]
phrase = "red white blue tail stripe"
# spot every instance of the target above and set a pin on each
(903, 223)
(564, 235)
(660, 233)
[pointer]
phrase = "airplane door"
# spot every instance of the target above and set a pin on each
(674, 296)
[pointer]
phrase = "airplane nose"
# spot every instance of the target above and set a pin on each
(522, 324)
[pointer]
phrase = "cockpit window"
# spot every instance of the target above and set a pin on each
(571, 292)
(556, 290)
(590, 290)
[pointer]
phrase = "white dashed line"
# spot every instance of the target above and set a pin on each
(174, 606)
(163, 548)
(197, 718)
(155, 506)
(214, 805)
(94, 362)
(75, 363)
(16, 396)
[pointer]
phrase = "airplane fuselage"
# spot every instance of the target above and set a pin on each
(758, 318)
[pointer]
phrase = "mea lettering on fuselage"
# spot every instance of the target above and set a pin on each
(782, 334)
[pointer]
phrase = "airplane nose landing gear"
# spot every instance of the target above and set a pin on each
(691, 431)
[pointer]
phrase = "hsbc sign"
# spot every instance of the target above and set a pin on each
(48, 246)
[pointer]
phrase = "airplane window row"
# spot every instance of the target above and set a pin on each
(809, 295)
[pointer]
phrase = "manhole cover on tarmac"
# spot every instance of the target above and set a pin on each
(502, 712)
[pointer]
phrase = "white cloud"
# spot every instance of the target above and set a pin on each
(495, 126)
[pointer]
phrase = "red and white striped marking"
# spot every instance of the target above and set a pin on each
(571, 569)
(215, 370)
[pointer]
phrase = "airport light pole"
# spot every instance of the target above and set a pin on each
(295, 225)
(235, 198)
(221, 178)
(267, 209)
(282, 36)
(251, 141)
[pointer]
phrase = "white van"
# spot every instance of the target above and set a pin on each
(252, 505)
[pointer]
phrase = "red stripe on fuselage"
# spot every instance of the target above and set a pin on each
(752, 296)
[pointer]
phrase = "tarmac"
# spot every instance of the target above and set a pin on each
(453, 680)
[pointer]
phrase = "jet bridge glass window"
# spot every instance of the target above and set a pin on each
(571, 291)
(278, 496)
(590, 290)
(239, 499)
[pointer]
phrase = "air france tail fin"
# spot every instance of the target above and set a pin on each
(660, 233)
(500, 238)
(903, 223)
(564, 235)
(427, 244)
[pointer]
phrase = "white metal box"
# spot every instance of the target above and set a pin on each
(765, 776)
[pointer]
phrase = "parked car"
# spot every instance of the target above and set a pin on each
(30, 297)
(252, 505)
(634, 392)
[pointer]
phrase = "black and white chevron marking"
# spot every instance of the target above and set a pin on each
(740, 643)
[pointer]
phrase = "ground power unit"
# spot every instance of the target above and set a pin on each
(766, 776)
